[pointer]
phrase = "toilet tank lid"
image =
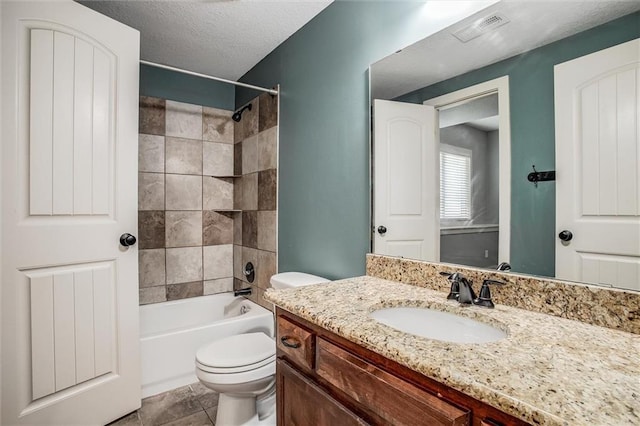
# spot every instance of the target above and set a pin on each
(295, 279)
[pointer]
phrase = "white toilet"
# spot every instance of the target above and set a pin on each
(242, 368)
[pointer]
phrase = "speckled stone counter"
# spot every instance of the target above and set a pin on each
(548, 370)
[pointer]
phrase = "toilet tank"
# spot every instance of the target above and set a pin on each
(295, 279)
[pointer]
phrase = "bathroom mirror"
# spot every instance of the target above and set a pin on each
(521, 42)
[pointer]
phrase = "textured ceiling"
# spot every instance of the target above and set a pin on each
(220, 38)
(532, 24)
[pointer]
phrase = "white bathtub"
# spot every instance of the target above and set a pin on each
(172, 332)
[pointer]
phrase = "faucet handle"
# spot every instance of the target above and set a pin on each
(454, 278)
(484, 298)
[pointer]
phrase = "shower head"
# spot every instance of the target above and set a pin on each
(237, 116)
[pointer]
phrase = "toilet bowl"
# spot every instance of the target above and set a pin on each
(242, 368)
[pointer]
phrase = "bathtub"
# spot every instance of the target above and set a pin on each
(172, 332)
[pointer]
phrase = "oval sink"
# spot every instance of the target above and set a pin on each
(438, 325)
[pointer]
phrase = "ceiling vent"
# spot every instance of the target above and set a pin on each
(481, 26)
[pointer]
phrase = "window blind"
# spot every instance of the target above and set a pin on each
(455, 183)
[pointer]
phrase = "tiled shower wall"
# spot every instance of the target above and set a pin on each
(255, 236)
(207, 198)
(185, 200)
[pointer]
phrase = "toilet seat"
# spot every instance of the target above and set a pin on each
(237, 354)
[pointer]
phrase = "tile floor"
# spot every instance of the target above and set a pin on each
(192, 405)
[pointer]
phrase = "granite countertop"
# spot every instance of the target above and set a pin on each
(548, 370)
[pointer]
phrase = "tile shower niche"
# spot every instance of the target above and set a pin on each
(207, 198)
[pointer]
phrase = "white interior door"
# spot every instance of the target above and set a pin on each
(406, 196)
(70, 343)
(597, 101)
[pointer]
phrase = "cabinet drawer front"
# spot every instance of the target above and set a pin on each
(297, 343)
(389, 397)
(303, 403)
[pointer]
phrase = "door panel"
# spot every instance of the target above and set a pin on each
(598, 166)
(70, 337)
(405, 180)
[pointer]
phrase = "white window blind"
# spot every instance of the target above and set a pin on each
(455, 183)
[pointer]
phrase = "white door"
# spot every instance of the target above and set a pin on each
(70, 343)
(597, 119)
(406, 196)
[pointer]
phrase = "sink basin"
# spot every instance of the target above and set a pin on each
(438, 325)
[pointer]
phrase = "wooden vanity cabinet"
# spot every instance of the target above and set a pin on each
(326, 380)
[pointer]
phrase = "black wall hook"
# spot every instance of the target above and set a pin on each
(536, 176)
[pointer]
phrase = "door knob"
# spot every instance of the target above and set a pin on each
(127, 240)
(565, 235)
(382, 230)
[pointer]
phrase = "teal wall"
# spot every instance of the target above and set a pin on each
(324, 193)
(175, 86)
(533, 230)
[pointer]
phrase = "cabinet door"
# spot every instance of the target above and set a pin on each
(302, 403)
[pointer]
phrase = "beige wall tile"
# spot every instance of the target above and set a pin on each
(267, 230)
(184, 156)
(217, 125)
(250, 192)
(217, 193)
(150, 191)
(217, 159)
(183, 228)
(267, 262)
(151, 153)
(237, 262)
(151, 268)
(153, 294)
(268, 149)
(184, 192)
(222, 285)
(218, 261)
(184, 265)
(250, 155)
(184, 120)
(217, 228)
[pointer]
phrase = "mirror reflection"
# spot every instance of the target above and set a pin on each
(572, 106)
(469, 184)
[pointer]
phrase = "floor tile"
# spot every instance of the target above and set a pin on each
(169, 406)
(198, 419)
(131, 419)
(212, 413)
(207, 397)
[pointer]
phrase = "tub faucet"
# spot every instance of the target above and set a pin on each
(242, 292)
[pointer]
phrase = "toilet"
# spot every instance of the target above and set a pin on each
(242, 368)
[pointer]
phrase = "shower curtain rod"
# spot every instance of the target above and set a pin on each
(209, 77)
